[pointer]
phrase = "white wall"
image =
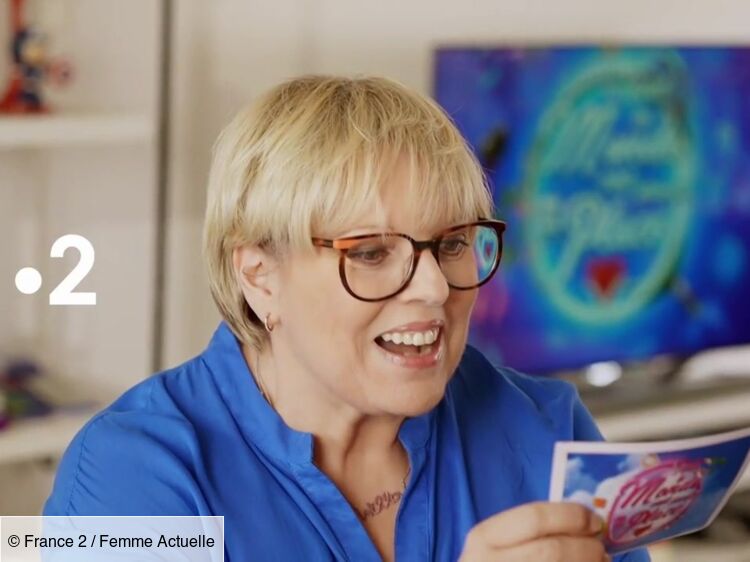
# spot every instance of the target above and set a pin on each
(105, 193)
(229, 51)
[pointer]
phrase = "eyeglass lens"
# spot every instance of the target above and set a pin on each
(378, 266)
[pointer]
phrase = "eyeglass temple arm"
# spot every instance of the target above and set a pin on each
(335, 244)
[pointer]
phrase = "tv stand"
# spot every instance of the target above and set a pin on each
(644, 407)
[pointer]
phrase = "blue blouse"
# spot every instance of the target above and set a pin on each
(200, 439)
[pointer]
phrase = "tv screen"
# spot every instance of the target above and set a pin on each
(624, 176)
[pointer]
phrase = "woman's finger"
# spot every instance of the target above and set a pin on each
(532, 521)
(557, 549)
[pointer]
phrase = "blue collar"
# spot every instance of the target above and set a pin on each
(260, 424)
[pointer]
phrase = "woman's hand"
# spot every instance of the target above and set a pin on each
(540, 532)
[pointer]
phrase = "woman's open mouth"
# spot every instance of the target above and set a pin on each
(412, 349)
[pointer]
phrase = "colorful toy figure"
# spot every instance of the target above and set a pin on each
(17, 398)
(4, 416)
(30, 67)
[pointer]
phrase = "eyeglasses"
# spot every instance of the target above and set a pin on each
(375, 267)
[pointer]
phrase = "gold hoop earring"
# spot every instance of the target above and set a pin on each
(269, 328)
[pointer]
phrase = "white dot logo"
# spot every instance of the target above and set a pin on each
(28, 280)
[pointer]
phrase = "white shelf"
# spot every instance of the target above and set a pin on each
(42, 437)
(690, 550)
(704, 414)
(70, 129)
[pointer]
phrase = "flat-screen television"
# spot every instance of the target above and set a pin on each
(624, 176)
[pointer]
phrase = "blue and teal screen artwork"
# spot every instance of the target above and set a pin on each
(624, 176)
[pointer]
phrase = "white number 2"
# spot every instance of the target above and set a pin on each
(63, 294)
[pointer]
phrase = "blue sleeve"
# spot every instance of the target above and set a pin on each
(584, 426)
(126, 463)
(550, 408)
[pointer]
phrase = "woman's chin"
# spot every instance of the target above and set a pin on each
(410, 390)
(415, 402)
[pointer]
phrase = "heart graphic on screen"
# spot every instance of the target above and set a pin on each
(605, 275)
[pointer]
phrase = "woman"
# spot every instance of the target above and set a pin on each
(337, 413)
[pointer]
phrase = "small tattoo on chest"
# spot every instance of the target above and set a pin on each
(379, 504)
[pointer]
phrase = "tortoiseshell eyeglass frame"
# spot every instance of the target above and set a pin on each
(343, 245)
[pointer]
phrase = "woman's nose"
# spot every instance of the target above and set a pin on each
(428, 283)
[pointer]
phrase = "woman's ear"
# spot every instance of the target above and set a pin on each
(256, 274)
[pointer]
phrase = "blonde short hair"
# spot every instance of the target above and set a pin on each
(308, 159)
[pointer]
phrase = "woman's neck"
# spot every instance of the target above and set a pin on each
(345, 439)
(360, 453)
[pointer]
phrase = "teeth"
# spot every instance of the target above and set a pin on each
(413, 338)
